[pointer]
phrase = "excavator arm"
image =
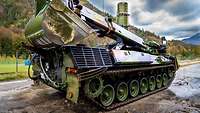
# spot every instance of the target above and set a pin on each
(58, 24)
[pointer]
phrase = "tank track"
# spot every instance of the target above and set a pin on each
(140, 96)
(116, 105)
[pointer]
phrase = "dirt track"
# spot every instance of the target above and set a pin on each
(48, 100)
(20, 97)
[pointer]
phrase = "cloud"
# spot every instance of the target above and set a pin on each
(154, 5)
(144, 18)
(182, 31)
(170, 18)
(185, 10)
(191, 16)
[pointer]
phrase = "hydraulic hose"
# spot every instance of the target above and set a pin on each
(46, 76)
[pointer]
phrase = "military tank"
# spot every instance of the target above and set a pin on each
(64, 37)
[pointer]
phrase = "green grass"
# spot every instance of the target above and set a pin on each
(10, 68)
(7, 72)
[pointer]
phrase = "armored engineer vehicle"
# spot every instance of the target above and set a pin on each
(65, 38)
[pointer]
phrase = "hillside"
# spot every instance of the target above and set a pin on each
(14, 14)
(182, 50)
(146, 35)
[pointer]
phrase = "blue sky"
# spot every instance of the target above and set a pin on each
(175, 19)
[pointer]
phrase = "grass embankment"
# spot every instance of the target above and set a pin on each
(12, 76)
(183, 63)
(8, 69)
(11, 68)
(8, 72)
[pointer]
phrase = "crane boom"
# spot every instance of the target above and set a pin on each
(118, 31)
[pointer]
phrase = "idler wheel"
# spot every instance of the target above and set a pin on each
(134, 88)
(143, 85)
(122, 91)
(165, 79)
(159, 81)
(107, 96)
(152, 83)
(171, 75)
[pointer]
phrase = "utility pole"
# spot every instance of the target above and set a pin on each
(17, 62)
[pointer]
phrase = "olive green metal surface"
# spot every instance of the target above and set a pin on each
(134, 88)
(107, 96)
(144, 85)
(152, 83)
(122, 91)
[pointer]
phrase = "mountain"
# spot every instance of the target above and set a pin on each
(194, 40)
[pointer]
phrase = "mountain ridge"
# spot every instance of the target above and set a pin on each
(194, 40)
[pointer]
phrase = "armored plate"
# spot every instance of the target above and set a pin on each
(124, 57)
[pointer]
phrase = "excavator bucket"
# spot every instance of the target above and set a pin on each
(55, 24)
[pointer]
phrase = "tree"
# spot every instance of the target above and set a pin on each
(6, 46)
(19, 48)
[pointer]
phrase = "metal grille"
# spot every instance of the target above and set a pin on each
(86, 57)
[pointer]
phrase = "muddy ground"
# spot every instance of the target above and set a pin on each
(21, 97)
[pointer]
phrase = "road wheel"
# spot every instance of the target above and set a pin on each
(165, 79)
(143, 85)
(107, 96)
(171, 76)
(159, 81)
(134, 88)
(122, 91)
(152, 83)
